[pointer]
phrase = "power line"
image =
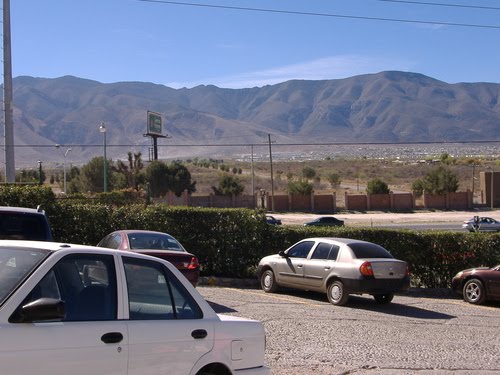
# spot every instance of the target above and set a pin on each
(276, 144)
(333, 15)
(442, 4)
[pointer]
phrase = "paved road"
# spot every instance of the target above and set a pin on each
(413, 335)
(419, 220)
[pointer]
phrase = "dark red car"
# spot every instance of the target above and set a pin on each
(157, 244)
(478, 284)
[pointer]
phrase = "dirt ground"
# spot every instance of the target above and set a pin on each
(388, 218)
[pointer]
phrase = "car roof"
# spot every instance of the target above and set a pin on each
(128, 231)
(61, 246)
(345, 241)
(21, 209)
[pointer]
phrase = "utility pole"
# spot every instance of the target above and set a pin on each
(10, 169)
(491, 187)
(253, 174)
(272, 176)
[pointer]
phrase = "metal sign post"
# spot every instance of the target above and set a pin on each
(154, 130)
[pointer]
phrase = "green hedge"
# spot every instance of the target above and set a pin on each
(230, 242)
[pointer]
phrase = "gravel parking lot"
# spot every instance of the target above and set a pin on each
(413, 335)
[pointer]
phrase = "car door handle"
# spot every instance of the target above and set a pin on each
(327, 268)
(112, 337)
(199, 334)
(300, 265)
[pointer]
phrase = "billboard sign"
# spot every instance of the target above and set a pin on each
(154, 124)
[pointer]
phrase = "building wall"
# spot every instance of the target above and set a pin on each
(485, 184)
(323, 202)
(403, 201)
(358, 202)
(379, 201)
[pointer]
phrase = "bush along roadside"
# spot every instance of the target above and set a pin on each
(230, 242)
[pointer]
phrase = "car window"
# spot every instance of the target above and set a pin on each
(154, 241)
(111, 241)
(325, 251)
(85, 282)
(321, 251)
(15, 265)
(300, 250)
(364, 250)
(22, 226)
(156, 294)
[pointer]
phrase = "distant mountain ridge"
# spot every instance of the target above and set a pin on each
(389, 106)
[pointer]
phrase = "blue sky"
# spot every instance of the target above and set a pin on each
(187, 45)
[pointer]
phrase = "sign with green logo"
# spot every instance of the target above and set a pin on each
(154, 123)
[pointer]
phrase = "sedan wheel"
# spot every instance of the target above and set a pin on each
(383, 298)
(336, 293)
(268, 282)
(474, 292)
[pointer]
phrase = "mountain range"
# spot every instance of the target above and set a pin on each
(391, 106)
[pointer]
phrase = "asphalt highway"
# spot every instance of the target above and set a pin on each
(419, 220)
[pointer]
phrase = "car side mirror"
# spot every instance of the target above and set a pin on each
(42, 309)
(283, 254)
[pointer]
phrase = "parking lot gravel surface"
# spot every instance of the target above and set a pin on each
(412, 335)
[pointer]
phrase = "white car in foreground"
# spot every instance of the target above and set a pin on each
(72, 309)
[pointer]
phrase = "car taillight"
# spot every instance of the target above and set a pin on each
(193, 264)
(366, 269)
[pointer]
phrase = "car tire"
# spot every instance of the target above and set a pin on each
(383, 298)
(337, 295)
(474, 292)
(268, 282)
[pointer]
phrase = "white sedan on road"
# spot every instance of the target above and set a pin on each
(79, 310)
(481, 224)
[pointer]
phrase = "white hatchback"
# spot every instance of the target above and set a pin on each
(72, 309)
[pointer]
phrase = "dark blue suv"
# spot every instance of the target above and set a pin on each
(20, 223)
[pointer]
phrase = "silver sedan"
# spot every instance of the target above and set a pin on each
(337, 266)
(481, 224)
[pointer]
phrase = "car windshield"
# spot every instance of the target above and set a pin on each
(15, 265)
(364, 250)
(22, 226)
(154, 241)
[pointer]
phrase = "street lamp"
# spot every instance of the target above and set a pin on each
(40, 180)
(65, 153)
(102, 129)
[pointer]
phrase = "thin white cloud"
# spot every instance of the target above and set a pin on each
(334, 67)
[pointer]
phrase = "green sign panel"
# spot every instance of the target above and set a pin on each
(154, 123)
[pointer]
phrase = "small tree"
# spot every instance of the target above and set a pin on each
(301, 187)
(157, 176)
(308, 172)
(438, 181)
(377, 186)
(174, 177)
(333, 179)
(228, 185)
(418, 187)
(446, 158)
(133, 171)
(92, 175)
(180, 179)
